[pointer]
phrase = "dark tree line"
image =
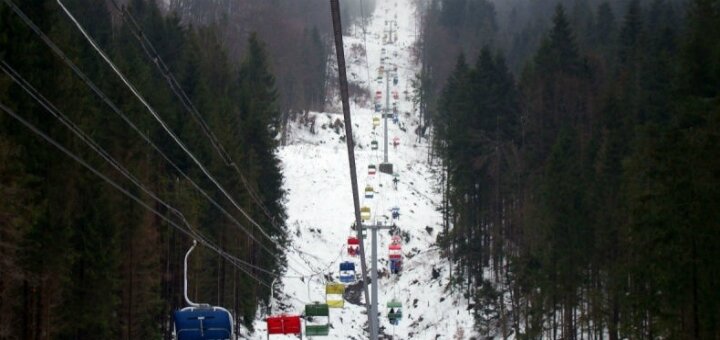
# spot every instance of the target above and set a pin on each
(297, 34)
(78, 259)
(581, 196)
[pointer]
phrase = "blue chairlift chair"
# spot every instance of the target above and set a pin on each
(201, 321)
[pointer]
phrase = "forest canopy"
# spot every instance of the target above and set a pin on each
(581, 170)
(80, 257)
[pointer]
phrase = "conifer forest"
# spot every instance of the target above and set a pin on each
(573, 147)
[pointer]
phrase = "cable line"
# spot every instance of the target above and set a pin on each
(233, 260)
(162, 123)
(119, 112)
(153, 55)
(187, 103)
(47, 105)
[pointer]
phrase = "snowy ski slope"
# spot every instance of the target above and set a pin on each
(320, 207)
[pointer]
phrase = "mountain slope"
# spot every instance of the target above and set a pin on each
(319, 200)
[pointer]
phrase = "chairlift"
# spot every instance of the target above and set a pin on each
(372, 169)
(201, 321)
(395, 311)
(315, 310)
(395, 257)
(396, 141)
(369, 192)
(395, 211)
(365, 213)
(378, 107)
(374, 145)
(347, 272)
(284, 324)
(334, 295)
(376, 122)
(353, 246)
(395, 95)
(395, 80)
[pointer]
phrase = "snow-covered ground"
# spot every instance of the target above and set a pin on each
(320, 206)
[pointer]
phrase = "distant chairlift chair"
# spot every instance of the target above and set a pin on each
(395, 211)
(347, 272)
(365, 213)
(395, 312)
(317, 310)
(369, 192)
(353, 246)
(395, 256)
(334, 295)
(372, 169)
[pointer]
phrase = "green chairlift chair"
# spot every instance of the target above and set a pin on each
(317, 310)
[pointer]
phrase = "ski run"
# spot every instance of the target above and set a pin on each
(320, 205)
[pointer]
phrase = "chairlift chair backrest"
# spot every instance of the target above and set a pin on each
(347, 265)
(284, 324)
(201, 323)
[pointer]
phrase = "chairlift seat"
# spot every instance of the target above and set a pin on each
(365, 213)
(317, 330)
(284, 324)
(347, 277)
(203, 323)
(317, 309)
